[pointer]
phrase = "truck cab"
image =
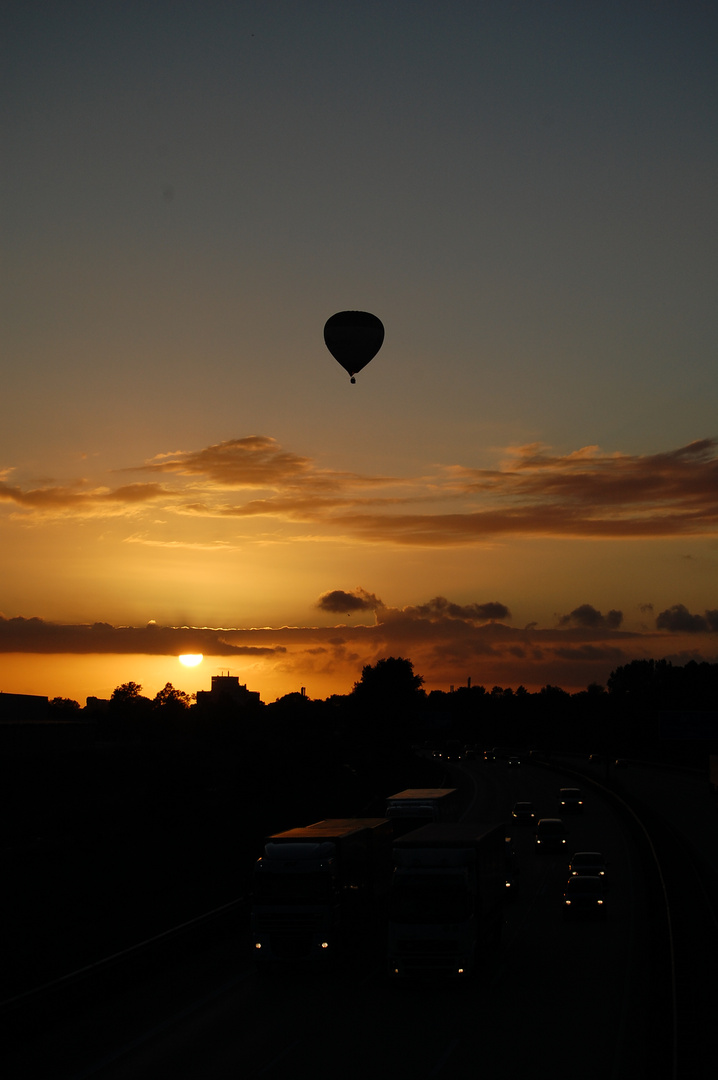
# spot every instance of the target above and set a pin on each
(410, 809)
(314, 884)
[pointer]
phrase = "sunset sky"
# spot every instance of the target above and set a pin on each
(521, 488)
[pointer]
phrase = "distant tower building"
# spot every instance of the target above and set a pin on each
(227, 690)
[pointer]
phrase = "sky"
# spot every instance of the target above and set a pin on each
(521, 488)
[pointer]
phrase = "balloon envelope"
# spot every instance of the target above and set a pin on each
(353, 338)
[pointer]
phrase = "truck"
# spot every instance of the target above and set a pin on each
(318, 886)
(446, 900)
(413, 807)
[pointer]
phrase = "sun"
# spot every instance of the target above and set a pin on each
(191, 659)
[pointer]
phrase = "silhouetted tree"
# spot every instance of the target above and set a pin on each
(64, 709)
(128, 692)
(129, 712)
(385, 706)
(390, 681)
(170, 700)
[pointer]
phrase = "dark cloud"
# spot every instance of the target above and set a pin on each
(37, 636)
(589, 617)
(447, 642)
(598, 653)
(439, 605)
(678, 619)
(338, 601)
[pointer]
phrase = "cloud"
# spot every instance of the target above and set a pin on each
(591, 652)
(471, 612)
(38, 636)
(532, 492)
(588, 616)
(212, 545)
(256, 461)
(339, 601)
(77, 499)
(589, 477)
(678, 619)
(446, 641)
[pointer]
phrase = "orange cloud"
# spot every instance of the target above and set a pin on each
(256, 461)
(583, 494)
(75, 499)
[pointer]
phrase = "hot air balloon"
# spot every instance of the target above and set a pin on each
(353, 338)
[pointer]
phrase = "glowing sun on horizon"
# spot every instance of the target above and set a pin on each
(191, 659)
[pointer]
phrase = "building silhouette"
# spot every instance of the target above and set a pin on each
(228, 691)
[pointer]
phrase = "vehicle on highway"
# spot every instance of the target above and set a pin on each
(570, 799)
(587, 862)
(584, 897)
(550, 834)
(513, 761)
(511, 868)
(446, 899)
(523, 813)
(314, 886)
(410, 809)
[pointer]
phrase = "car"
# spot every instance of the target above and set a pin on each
(584, 897)
(513, 761)
(587, 862)
(570, 799)
(550, 834)
(523, 813)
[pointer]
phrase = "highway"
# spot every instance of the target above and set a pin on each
(557, 995)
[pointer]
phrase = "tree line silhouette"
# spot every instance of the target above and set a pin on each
(388, 709)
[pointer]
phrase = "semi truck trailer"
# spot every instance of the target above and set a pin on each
(446, 899)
